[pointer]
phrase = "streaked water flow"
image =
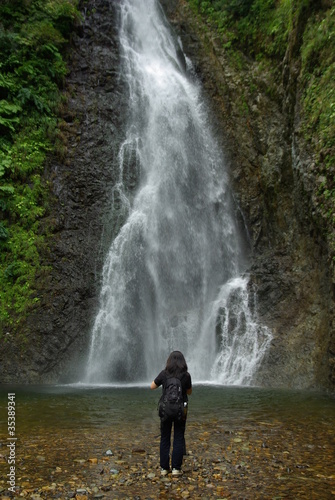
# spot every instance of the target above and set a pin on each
(172, 277)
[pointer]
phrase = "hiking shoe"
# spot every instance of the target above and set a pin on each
(164, 472)
(177, 472)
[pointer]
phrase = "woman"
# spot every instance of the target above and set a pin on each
(175, 367)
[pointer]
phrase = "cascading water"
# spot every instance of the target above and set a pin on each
(171, 277)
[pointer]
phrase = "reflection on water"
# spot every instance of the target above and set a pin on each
(92, 407)
(243, 443)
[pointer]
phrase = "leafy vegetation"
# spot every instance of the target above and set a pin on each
(258, 27)
(33, 36)
(318, 105)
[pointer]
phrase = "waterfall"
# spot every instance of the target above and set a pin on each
(172, 276)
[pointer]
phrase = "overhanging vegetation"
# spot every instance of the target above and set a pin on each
(33, 36)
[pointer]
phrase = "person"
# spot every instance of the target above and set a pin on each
(175, 367)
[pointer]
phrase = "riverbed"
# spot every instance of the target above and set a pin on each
(77, 441)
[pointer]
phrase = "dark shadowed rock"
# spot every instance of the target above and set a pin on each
(272, 181)
(271, 174)
(57, 332)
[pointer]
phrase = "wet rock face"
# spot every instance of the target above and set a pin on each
(288, 263)
(288, 258)
(82, 184)
(58, 331)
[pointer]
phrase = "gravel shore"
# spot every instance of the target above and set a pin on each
(252, 461)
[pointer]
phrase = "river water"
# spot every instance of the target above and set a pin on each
(90, 407)
(242, 442)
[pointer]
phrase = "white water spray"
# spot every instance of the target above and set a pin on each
(175, 263)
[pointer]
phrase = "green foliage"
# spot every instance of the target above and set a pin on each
(318, 69)
(8, 115)
(33, 35)
(318, 104)
(257, 27)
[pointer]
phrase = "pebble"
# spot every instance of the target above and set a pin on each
(212, 471)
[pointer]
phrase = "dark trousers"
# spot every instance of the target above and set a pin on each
(178, 444)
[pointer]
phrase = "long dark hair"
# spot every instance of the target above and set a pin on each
(176, 364)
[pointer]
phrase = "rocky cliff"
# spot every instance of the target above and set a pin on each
(52, 342)
(268, 162)
(257, 119)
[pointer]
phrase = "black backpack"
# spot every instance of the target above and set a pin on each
(171, 403)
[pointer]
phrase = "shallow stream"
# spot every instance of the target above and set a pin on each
(241, 443)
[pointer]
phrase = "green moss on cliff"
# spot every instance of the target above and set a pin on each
(33, 34)
(318, 107)
(257, 27)
(304, 31)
